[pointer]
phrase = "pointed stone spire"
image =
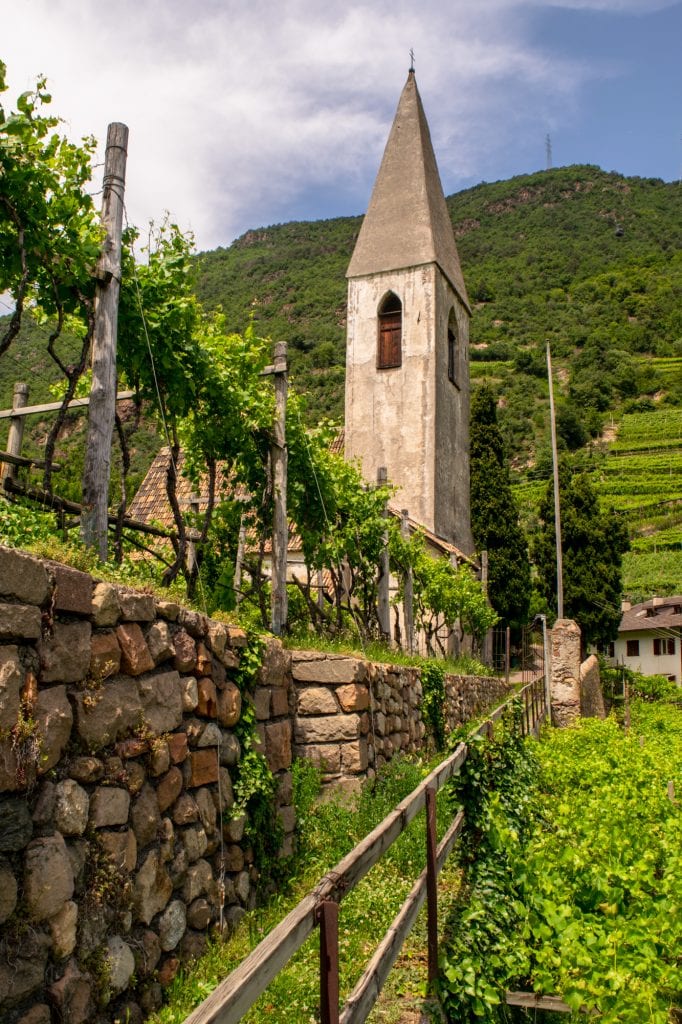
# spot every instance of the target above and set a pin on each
(407, 223)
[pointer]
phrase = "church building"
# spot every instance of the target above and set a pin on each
(407, 365)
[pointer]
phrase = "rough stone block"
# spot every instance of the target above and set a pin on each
(8, 891)
(120, 848)
(136, 607)
(185, 651)
(19, 622)
(152, 888)
(22, 577)
(105, 656)
(86, 769)
(329, 669)
(65, 656)
(135, 656)
(217, 636)
(172, 925)
(210, 736)
(332, 729)
(71, 808)
(160, 642)
(354, 756)
(23, 972)
(161, 700)
(48, 877)
(237, 637)
(316, 700)
(276, 664)
(279, 704)
(278, 745)
(261, 701)
(11, 683)
(54, 720)
(63, 930)
(105, 608)
(229, 705)
(203, 767)
(230, 749)
(207, 703)
(72, 589)
(119, 964)
(199, 882)
(107, 714)
(168, 610)
(109, 806)
(178, 748)
(169, 788)
(145, 816)
(190, 693)
(354, 697)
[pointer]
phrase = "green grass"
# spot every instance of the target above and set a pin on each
(328, 831)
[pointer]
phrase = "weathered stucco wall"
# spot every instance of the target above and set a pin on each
(118, 752)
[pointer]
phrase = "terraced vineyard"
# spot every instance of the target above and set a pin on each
(640, 475)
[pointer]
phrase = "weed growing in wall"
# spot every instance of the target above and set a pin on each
(433, 699)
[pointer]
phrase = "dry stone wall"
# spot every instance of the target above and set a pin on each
(351, 716)
(118, 752)
(117, 756)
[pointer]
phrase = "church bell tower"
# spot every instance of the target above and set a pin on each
(407, 360)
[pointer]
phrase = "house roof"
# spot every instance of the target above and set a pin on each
(654, 615)
(151, 504)
(407, 223)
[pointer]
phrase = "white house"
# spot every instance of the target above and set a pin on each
(650, 638)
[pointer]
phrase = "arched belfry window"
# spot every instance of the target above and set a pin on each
(453, 349)
(389, 349)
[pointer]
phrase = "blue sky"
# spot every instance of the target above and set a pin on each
(246, 114)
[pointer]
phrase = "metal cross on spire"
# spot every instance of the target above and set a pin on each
(411, 60)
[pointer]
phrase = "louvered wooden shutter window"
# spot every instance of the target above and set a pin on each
(390, 338)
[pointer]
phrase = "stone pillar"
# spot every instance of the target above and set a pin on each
(565, 672)
(591, 696)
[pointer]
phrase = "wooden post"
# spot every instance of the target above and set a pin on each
(329, 962)
(280, 538)
(408, 587)
(15, 434)
(507, 654)
(239, 560)
(454, 640)
(102, 408)
(487, 652)
(192, 534)
(383, 597)
(557, 504)
(431, 883)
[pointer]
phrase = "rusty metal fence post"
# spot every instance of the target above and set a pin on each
(328, 915)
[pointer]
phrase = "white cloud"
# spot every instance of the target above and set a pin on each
(236, 112)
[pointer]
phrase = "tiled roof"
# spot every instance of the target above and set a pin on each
(656, 614)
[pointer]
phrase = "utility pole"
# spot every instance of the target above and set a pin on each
(278, 456)
(102, 408)
(557, 507)
(383, 597)
(548, 151)
(15, 434)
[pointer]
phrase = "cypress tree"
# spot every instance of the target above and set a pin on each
(494, 515)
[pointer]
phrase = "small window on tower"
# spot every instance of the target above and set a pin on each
(453, 350)
(389, 353)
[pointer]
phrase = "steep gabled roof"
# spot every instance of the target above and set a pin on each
(407, 223)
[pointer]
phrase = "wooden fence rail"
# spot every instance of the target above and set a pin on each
(228, 1003)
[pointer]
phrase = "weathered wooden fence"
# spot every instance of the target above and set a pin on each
(320, 908)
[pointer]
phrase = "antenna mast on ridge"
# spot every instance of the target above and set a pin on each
(548, 151)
